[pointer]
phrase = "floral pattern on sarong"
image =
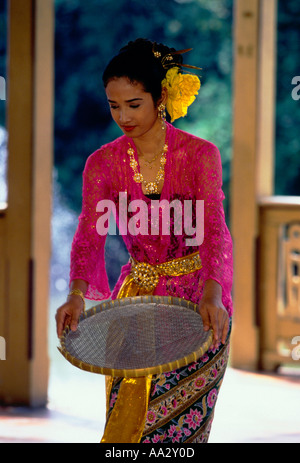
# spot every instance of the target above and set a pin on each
(182, 401)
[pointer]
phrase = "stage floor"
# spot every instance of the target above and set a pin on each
(252, 408)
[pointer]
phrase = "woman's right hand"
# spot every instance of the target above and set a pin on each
(68, 314)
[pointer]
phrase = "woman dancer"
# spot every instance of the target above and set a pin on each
(151, 161)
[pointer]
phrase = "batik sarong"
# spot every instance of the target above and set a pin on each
(182, 401)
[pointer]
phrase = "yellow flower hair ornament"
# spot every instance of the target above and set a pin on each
(182, 90)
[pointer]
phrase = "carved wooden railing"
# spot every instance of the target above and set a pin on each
(278, 290)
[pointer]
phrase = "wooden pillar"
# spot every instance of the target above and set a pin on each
(252, 165)
(24, 374)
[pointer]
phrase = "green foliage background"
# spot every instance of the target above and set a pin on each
(287, 166)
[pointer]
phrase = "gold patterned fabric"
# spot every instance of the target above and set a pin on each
(144, 277)
(126, 422)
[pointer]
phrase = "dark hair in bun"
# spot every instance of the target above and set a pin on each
(137, 62)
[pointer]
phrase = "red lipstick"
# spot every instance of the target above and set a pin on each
(128, 128)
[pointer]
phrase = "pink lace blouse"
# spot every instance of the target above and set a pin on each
(193, 171)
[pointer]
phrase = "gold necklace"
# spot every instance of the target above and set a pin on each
(151, 187)
(150, 162)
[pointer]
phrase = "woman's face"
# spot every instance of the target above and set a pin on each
(131, 107)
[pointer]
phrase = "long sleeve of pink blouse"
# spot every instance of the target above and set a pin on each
(87, 253)
(194, 172)
(216, 249)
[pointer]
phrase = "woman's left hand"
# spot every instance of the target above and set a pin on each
(214, 314)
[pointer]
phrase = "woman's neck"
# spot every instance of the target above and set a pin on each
(148, 144)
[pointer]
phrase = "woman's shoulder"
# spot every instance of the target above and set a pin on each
(199, 153)
(194, 142)
(105, 154)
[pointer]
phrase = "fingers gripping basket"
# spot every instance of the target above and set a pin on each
(136, 336)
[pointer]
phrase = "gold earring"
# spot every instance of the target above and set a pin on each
(162, 115)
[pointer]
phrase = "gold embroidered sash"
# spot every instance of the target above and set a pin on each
(127, 419)
(144, 277)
